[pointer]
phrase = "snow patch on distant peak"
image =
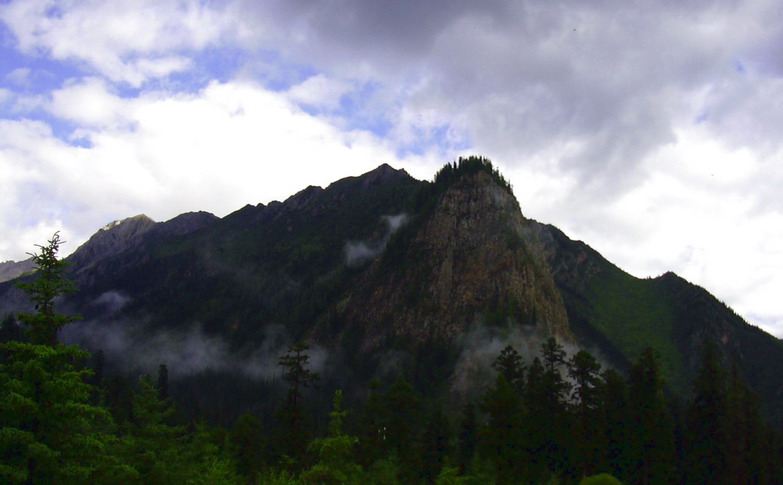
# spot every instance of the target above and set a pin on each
(111, 225)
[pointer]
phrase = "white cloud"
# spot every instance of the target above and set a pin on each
(216, 150)
(110, 36)
(19, 76)
(89, 102)
(319, 91)
(693, 214)
(656, 139)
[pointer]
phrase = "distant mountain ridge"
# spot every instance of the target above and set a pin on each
(388, 274)
(13, 269)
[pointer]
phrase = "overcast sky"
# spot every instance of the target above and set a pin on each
(653, 131)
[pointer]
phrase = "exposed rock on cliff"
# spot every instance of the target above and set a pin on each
(466, 259)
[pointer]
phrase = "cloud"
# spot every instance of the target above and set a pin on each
(19, 76)
(481, 346)
(359, 252)
(125, 42)
(90, 102)
(520, 79)
(627, 130)
(319, 92)
(217, 149)
(185, 351)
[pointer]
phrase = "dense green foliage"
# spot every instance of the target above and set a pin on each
(633, 314)
(557, 419)
(53, 433)
(548, 418)
(451, 172)
(43, 325)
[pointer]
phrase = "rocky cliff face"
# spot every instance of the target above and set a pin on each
(464, 274)
(466, 261)
(112, 239)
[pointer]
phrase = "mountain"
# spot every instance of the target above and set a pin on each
(13, 269)
(619, 315)
(466, 255)
(385, 274)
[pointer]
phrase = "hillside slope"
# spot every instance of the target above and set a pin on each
(386, 274)
(621, 315)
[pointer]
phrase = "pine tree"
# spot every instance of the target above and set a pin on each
(50, 432)
(546, 401)
(435, 445)
(335, 465)
(249, 442)
(154, 446)
(292, 418)
(502, 437)
(538, 426)
(372, 427)
(510, 364)
(707, 425)
(651, 431)
(296, 372)
(615, 421)
(467, 439)
(402, 419)
(589, 438)
(49, 284)
(746, 450)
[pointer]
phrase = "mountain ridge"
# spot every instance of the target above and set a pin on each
(459, 258)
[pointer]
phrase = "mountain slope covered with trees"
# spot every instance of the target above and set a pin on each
(382, 329)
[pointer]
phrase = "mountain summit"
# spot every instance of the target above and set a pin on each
(386, 274)
(465, 259)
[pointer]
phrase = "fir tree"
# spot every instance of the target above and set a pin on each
(707, 424)
(746, 451)
(510, 364)
(372, 427)
(588, 434)
(50, 432)
(546, 403)
(435, 445)
(615, 422)
(503, 435)
(48, 285)
(292, 418)
(249, 443)
(335, 465)
(651, 431)
(468, 438)
(402, 418)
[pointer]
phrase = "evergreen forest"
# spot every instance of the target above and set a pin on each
(556, 419)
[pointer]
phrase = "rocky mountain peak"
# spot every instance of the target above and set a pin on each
(113, 238)
(186, 223)
(466, 260)
(384, 173)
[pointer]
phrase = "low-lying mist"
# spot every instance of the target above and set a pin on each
(482, 345)
(358, 252)
(131, 347)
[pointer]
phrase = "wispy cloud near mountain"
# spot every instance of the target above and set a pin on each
(655, 136)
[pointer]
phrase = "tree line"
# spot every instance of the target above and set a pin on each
(555, 419)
